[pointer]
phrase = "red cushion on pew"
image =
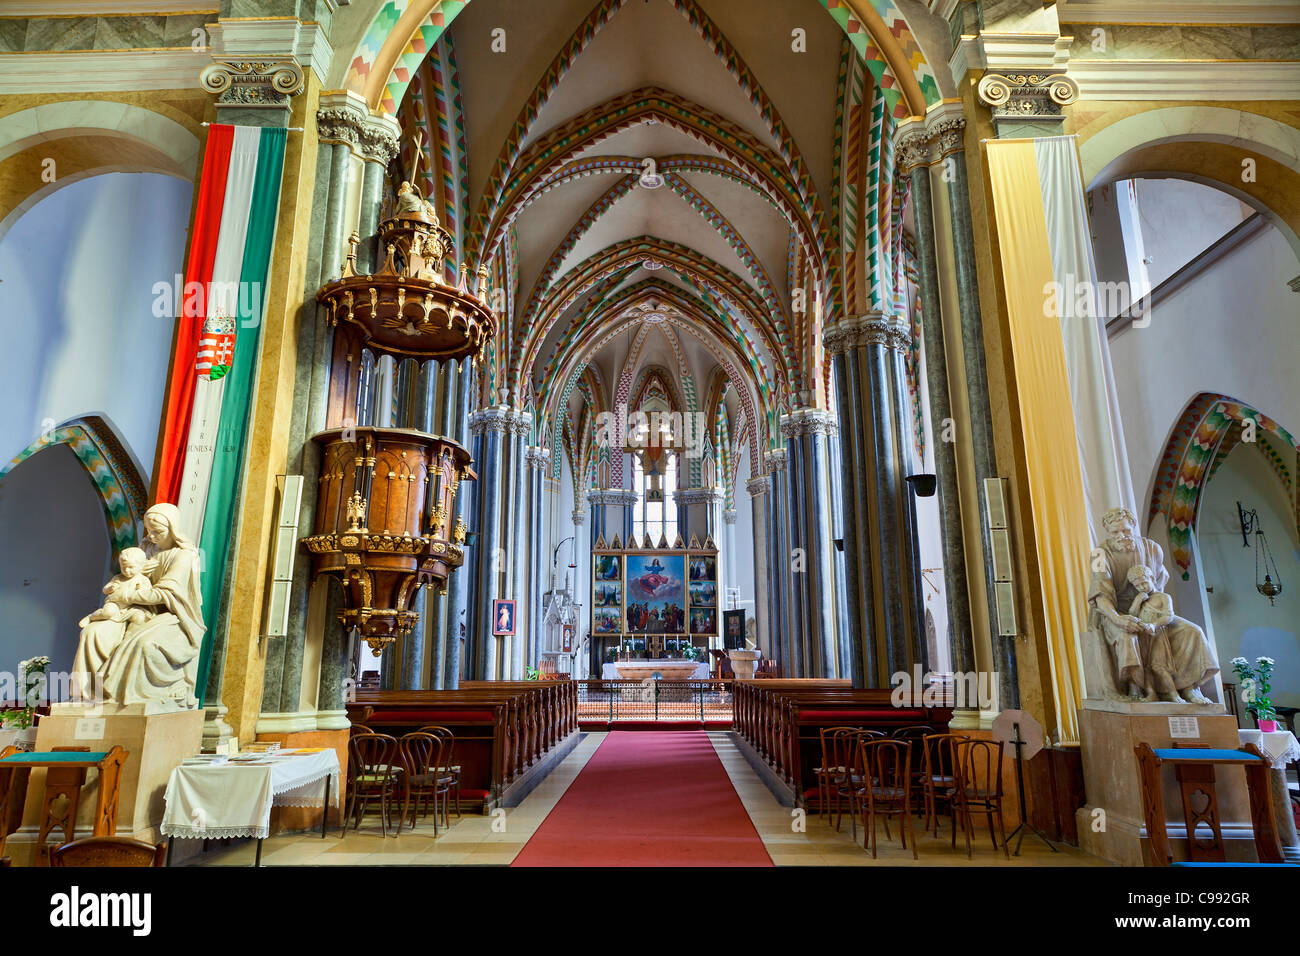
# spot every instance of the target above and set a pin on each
(451, 716)
(820, 715)
(474, 794)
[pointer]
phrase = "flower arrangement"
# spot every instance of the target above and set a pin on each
(1255, 686)
(31, 683)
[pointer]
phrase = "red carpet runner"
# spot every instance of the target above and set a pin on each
(648, 799)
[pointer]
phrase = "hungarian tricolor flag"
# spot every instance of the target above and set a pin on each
(208, 400)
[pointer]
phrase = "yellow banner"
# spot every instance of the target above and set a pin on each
(1047, 424)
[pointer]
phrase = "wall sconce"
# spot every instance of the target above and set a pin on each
(923, 486)
(1270, 585)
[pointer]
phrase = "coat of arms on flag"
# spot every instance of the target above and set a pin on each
(216, 347)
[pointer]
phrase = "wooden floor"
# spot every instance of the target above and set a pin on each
(473, 842)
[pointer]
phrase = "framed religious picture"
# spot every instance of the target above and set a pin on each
(503, 617)
(733, 630)
(608, 567)
(704, 620)
(606, 620)
(704, 594)
(704, 568)
(566, 639)
(656, 593)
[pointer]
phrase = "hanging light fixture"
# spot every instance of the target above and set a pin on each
(1270, 584)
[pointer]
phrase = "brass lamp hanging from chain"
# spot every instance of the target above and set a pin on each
(1270, 584)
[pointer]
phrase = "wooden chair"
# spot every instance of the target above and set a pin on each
(373, 772)
(939, 778)
(979, 787)
(360, 729)
(887, 772)
(914, 737)
(855, 779)
(832, 767)
(108, 851)
(448, 768)
(423, 779)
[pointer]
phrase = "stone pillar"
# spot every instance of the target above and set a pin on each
(914, 157)
(758, 499)
(611, 513)
(699, 506)
(884, 600)
(780, 618)
(517, 546)
(455, 423)
(807, 432)
(538, 543)
(581, 594)
(949, 143)
(491, 429)
(379, 144)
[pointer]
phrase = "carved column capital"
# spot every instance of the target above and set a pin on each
(697, 496)
(809, 421)
(341, 118)
(612, 496)
(378, 139)
(493, 418)
(1033, 96)
(758, 486)
(868, 330)
(253, 83)
(537, 457)
(729, 515)
(775, 460)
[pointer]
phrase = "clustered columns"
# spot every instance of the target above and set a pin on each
(882, 566)
(537, 460)
(764, 555)
(932, 156)
(777, 519)
(697, 513)
(612, 513)
(813, 648)
(499, 441)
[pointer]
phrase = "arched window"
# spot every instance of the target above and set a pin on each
(654, 479)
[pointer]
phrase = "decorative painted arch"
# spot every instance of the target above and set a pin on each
(381, 67)
(634, 108)
(576, 356)
(581, 339)
(1208, 428)
(686, 262)
(117, 481)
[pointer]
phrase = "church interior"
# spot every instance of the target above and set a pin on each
(625, 433)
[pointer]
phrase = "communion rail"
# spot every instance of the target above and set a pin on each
(615, 701)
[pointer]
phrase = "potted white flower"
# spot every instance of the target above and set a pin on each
(1255, 687)
(21, 721)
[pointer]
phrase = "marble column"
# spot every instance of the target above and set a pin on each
(727, 573)
(516, 542)
(758, 498)
(538, 543)
(885, 606)
(949, 142)
(778, 509)
(807, 432)
(581, 598)
(913, 157)
(611, 513)
(455, 424)
(491, 429)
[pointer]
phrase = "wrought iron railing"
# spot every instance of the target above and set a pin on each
(658, 700)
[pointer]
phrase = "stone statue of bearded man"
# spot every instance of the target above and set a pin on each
(1157, 656)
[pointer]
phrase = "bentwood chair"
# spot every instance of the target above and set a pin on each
(914, 737)
(448, 768)
(108, 851)
(887, 772)
(854, 780)
(979, 787)
(830, 771)
(939, 778)
(421, 756)
(374, 773)
(360, 729)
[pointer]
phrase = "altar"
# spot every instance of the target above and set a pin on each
(659, 670)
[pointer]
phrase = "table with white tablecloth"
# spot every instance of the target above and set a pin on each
(1280, 748)
(211, 799)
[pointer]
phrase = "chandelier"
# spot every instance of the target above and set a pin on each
(1268, 581)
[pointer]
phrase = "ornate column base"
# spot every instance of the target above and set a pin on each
(215, 729)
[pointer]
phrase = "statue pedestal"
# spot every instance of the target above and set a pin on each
(155, 744)
(1109, 731)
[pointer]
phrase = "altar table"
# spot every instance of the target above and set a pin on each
(211, 799)
(610, 669)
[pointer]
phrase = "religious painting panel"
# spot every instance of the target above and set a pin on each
(656, 593)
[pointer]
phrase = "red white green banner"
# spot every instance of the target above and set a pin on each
(210, 392)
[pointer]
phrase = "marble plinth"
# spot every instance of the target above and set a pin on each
(1114, 787)
(155, 744)
(744, 663)
(658, 670)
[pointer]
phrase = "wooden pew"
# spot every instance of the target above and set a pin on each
(502, 728)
